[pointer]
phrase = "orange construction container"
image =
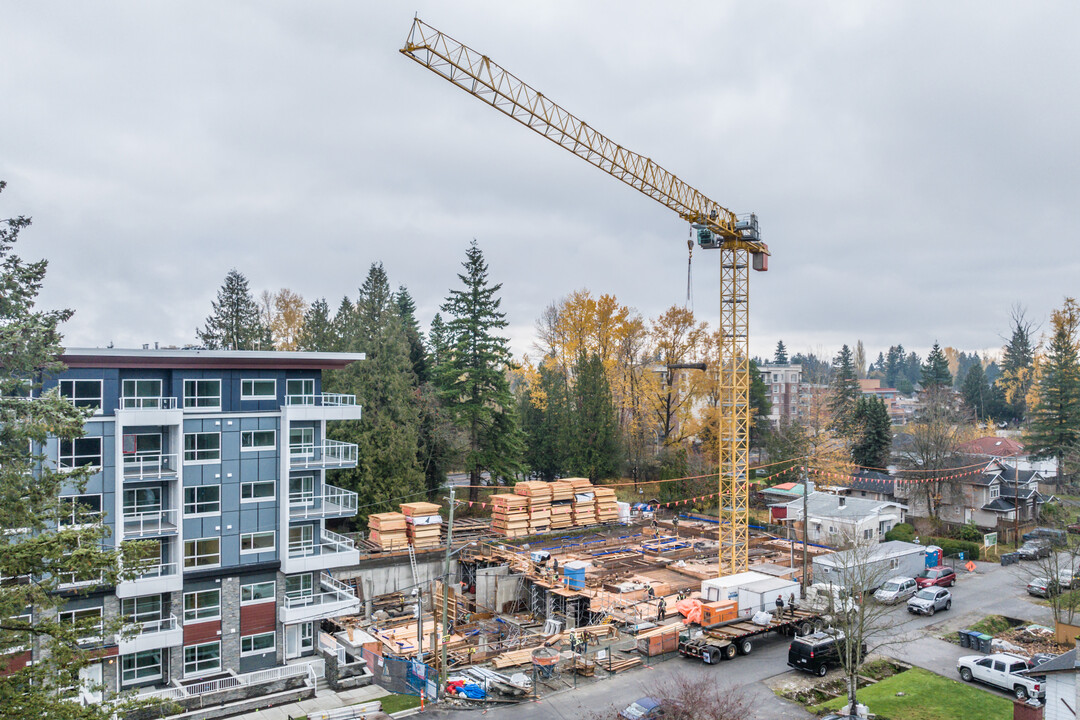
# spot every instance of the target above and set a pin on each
(665, 641)
(719, 611)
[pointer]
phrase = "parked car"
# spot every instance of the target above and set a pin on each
(896, 590)
(1000, 670)
(1034, 549)
(815, 653)
(929, 600)
(645, 708)
(1056, 538)
(940, 575)
(1042, 587)
(1067, 579)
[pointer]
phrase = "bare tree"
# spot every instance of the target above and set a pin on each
(696, 697)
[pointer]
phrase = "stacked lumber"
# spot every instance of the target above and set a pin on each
(607, 506)
(617, 666)
(539, 495)
(387, 530)
(510, 515)
(423, 524)
(562, 505)
(584, 501)
(513, 658)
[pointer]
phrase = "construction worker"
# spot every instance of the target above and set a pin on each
(573, 643)
(675, 524)
(791, 604)
(779, 606)
(661, 610)
(650, 592)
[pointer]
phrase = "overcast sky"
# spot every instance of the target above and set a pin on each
(915, 166)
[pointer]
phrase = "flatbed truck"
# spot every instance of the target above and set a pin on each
(737, 637)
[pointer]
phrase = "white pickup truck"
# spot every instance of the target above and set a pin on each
(1001, 670)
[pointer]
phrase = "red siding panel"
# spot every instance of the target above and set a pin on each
(195, 633)
(15, 662)
(260, 617)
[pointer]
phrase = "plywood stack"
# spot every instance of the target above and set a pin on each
(539, 495)
(423, 523)
(387, 530)
(584, 502)
(607, 506)
(510, 515)
(562, 505)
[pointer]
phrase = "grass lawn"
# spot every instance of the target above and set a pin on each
(927, 697)
(394, 703)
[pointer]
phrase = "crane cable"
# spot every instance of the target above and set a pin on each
(690, 271)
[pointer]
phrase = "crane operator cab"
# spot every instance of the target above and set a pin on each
(747, 228)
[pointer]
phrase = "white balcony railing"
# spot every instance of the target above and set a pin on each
(160, 570)
(321, 400)
(333, 599)
(148, 403)
(149, 627)
(259, 677)
(328, 543)
(149, 466)
(154, 522)
(333, 502)
(330, 453)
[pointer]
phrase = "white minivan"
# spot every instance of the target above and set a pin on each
(895, 590)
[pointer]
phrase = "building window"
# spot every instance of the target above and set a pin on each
(257, 592)
(139, 444)
(202, 605)
(79, 510)
(257, 542)
(251, 644)
(142, 500)
(141, 609)
(301, 540)
(257, 491)
(202, 500)
(89, 620)
(202, 447)
(258, 389)
(202, 394)
(994, 491)
(82, 393)
(868, 534)
(140, 667)
(258, 440)
(201, 659)
(302, 441)
(204, 552)
(300, 392)
(894, 563)
(299, 586)
(80, 452)
(302, 490)
(140, 394)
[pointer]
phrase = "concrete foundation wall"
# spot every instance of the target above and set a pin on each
(381, 576)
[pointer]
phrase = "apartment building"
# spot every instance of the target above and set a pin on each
(220, 459)
(782, 383)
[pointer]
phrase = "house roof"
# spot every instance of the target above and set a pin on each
(881, 551)
(785, 490)
(195, 358)
(999, 504)
(1066, 662)
(827, 505)
(873, 482)
(993, 446)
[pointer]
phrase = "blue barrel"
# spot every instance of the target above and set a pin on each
(574, 572)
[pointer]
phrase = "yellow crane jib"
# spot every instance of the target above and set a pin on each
(737, 237)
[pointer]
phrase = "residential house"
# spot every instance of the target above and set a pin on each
(1062, 689)
(993, 446)
(870, 484)
(839, 519)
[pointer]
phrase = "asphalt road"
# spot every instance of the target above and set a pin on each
(990, 590)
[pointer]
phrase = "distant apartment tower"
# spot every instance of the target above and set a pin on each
(220, 459)
(782, 382)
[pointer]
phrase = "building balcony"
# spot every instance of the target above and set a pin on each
(334, 599)
(154, 523)
(154, 580)
(327, 551)
(159, 466)
(334, 502)
(324, 406)
(328, 454)
(151, 635)
(149, 411)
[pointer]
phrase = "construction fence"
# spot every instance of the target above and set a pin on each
(401, 675)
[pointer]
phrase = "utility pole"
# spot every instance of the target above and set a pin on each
(443, 625)
(805, 531)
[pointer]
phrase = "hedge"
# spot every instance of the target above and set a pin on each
(903, 531)
(952, 547)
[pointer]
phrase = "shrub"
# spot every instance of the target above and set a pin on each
(970, 533)
(903, 531)
(952, 547)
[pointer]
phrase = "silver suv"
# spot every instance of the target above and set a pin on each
(929, 600)
(897, 589)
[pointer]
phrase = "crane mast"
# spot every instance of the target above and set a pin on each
(736, 237)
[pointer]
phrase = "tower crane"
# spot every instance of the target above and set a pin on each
(736, 237)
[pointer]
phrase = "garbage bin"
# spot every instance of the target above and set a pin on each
(984, 643)
(965, 638)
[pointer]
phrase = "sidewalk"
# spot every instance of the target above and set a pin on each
(323, 700)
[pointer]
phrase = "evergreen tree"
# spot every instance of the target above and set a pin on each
(1054, 427)
(877, 368)
(36, 553)
(935, 373)
(780, 358)
(844, 394)
(545, 421)
(439, 341)
(913, 369)
(873, 440)
(317, 334)
(1017, 365)
(760, 405)
(388, 434)
(976, 391)
(343, 326)
(595, 438)
(894, 366)
(472, 379)
(417, 352)
(236, 322)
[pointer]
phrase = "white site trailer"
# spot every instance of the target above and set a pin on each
(754, 590)
(865, 569)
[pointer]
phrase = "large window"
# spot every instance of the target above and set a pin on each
(299, 586)
(202, 605)
(251, 644)
(79, 509)
(301, 540)
(258, 389)
(202, 394)
(302, 490)
(257, 491)
(204, 552)
(302, 441)
(202, 447)
(140, 394)
(140, 667)
(202, 500)
(300, 392)
(257, 592)
(82, 393)
(80, 452)
(258, 440)
(90, 625)
(257, 542)
(201, 659)
(142, 500)
(995, 491)
(147, 608)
